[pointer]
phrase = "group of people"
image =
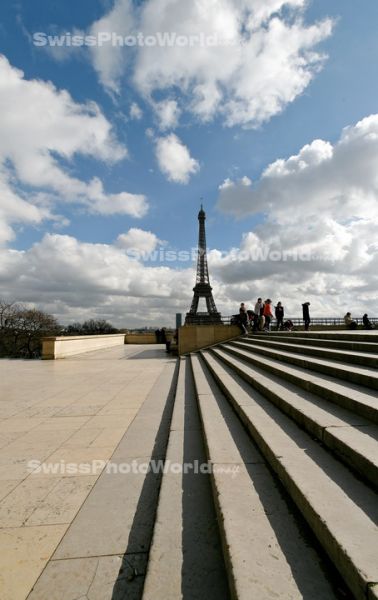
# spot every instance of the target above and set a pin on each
(166, 337)
(352, 324)
(260, 318)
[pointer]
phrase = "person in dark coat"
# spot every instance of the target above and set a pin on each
(306, 315)
(279, 314)
(243, 317)
(163, 336)
(251, 318)
(259, 309)
(366, 322)
(288, 325)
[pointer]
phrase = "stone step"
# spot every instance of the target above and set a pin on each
(353, 346)
(339, 508)
(351, 336)
(353, 438)
(347, 356)
(267, 550)
(186, 557)
(358, 375)
(352, 397)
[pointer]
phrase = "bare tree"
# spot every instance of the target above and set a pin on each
(7, 313)
(90, 327)
(34, 324)
(21, 329)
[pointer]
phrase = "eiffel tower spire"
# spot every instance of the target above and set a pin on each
(202, 289)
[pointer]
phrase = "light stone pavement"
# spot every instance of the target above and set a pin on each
(74, 410)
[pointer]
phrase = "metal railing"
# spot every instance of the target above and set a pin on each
(333, 321)
(297, 321)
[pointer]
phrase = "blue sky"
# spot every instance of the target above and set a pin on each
(318, 97)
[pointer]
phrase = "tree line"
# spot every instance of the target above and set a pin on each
(22, 329)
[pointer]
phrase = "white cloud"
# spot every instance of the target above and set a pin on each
(39, 123)
(62, 53)
(15, 209)
(111, 61)
(77, 281)
(35, 117)
(174, 159)
(136, 112)
(257, 55)
(139, 240)
(98, 202)
(339, 181)
(318, 236)
(168, 114)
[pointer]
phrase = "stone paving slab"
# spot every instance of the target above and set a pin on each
(74, 410)
(76, 579)
(24, 552)
(7, 485)
(114, 500)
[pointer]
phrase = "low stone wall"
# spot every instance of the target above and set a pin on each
(140, 338)
(195, 337)
(62, 347)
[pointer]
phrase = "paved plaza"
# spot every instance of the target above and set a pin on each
(286, 425)
(72, 411)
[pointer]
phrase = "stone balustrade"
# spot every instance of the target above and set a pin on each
(62, 347)
(194, 337)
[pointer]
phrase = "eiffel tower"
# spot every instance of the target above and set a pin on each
(202, 289)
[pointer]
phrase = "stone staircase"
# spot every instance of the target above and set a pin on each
(288, 424)
(270, 451)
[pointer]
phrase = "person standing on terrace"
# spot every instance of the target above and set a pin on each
(306, 315)
(268, 313)
(279, 313)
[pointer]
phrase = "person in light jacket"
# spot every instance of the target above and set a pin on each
(349, 321)
(268, 314)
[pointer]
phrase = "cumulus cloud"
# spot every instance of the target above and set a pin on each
(139, 240)
(15, 209)
(168, 114)
(244, 60)
(76, 280)
(340, 180)
(136, 112)
(174, 159)
(41, 126)
(318, 233)
(111, 61)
